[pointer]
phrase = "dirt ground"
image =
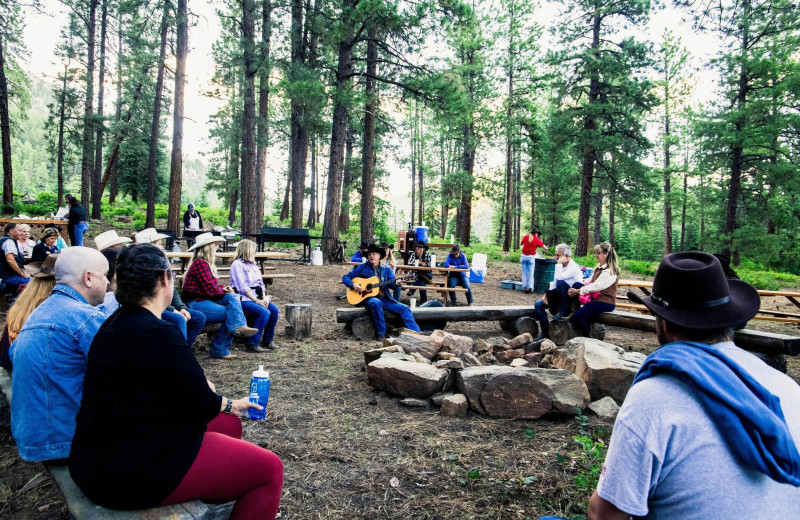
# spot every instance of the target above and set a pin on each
(344, 444)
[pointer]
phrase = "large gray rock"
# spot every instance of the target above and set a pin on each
(455, 364)
(412, 342)
(373, 354)
(455, 405)
(451, 342)
(522, 339)
(605, 409)
(398, 355)
(406, 379)
(608, 370)
(500, 391)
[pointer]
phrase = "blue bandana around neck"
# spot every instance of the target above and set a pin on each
(749, 417)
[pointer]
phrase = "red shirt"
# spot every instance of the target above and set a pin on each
(529, 246)
(200, 283)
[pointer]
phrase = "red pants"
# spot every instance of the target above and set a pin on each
(228, 468)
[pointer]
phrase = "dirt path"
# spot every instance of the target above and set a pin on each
(343, 443)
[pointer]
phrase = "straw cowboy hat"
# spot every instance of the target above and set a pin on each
(149, 235)
(690, 290)
(109, 239)
(204, 239)
(46, 269)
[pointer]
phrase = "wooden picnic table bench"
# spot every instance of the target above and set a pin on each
(515, 319)
(778, 316)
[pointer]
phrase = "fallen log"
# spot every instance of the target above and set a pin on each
(474, 313)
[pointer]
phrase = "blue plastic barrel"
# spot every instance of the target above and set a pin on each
(422, 234)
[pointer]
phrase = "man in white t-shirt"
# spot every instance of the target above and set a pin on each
(707, 431)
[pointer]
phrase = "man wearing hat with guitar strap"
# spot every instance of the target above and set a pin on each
(384, 301)
(707, 430)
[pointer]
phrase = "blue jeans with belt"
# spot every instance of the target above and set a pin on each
(264, 319)
(227, 311)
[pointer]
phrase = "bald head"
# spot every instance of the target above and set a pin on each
(84, 269)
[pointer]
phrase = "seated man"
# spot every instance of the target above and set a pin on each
(50, 355)
(458, 260)
(12, 265)
(384, 302)
(422, 256)
(568, 276)
(706, 427)
(359, 255)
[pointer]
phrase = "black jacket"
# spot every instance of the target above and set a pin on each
(187, 214)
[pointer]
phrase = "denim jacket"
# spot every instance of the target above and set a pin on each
(49, 359)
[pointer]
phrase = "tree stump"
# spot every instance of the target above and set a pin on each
(562, 331)
(525, 324)
(363, 328)
(298, 315)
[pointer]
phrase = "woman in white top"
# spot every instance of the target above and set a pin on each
(256, 304)
(601, 292)
(25, 243)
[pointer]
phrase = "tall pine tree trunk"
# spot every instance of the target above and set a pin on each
(263, 110)
(589, 126)
(87, 156)
(312, 207)
(150, 218)
(339, 133)
(249, 197)
(299, 135)
(347, 182)
(420, 170)
(368, 146)
(413, 169)
(97, 193)
(176, 161)
(62, 108)
(683, 212)
(5, 133)
(612, 206)
(598, 212)
(667, 172)
(114, 186)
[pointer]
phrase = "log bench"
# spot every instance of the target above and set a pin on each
(516, 320)
(81, 508)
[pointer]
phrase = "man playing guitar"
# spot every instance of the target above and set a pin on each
(384, 301)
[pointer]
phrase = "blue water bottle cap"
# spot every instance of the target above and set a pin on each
(261, 372)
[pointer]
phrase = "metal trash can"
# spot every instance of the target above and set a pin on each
(544, 272)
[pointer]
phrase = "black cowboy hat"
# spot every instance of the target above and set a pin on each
(375, 249)
(455, 250)
(364, 245)
(387, 244)
(423, 245)
(690, 290)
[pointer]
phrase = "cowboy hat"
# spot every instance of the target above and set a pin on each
(690, 290)
(364, 245)
(387, 244)
(204, 239)
(149, 235)
(456, 250)
(423, 245)
(375, 249)
(44, 269)
(110, 239)
(48, 232)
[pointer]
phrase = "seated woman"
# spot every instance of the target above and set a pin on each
(46, 246)
(151, 430)
(43, 279)
(25, 243)
(256, 304)
(202, 291)
(601, 291)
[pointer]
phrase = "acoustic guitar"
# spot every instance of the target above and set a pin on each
(370, 288)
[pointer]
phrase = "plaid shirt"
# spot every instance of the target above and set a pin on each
(200, 283)
(424, 259)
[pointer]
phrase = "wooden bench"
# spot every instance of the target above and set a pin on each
(516, 320)
(776, 316)
(81, 508)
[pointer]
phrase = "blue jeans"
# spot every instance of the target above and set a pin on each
(80, 229)
(586, 314)
(527, 271)
(461, 279)
(264, 320)
(541, 314)
(376, 306)
(563, 298)
(228, 311)
(190, 329)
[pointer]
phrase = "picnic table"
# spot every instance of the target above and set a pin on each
(430, 285)
(785, 317)
(261, 257)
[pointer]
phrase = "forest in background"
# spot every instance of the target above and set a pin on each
(598, 128)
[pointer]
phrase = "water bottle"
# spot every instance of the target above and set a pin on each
(259, 393)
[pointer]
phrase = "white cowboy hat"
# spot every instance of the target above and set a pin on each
(204, 239)
(108, 239)
(149, 235)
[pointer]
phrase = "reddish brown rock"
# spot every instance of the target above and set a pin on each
(406, 379)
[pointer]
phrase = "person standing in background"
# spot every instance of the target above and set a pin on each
(76, 222)
(529, 243)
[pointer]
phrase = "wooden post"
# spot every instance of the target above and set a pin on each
(298, 315)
